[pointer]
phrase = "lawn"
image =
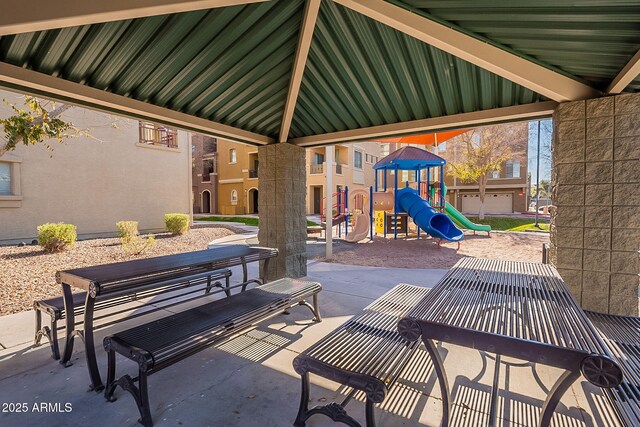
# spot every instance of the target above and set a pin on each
(512, 224)
(242, 219)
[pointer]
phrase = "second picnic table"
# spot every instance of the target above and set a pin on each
(515, 309)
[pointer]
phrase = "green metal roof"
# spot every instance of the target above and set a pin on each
(233, 65)
(361, 73)
(588, 39)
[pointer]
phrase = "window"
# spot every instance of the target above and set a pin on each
(357, 159)
(318, 159)
(495, 174)
(233, 156)
(234, 197)
(208, 167)
(152, 134)
(405, 176)
(513, 169)
(5, 179)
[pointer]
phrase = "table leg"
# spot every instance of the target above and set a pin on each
(554, 396)
(70, 324)
(265, 271)
(493, 408)
(245, 274)
(438, 367)
(92, 363)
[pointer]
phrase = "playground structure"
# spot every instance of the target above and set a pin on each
(424, 207)
(387, 210)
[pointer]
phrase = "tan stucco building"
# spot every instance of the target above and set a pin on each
(237, 172)
(237, 178)
(118, 174)
(353, 168)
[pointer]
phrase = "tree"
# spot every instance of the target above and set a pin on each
(37, 123)
(484, 151)
(545, 189)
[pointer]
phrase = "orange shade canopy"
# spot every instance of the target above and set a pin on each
(426, 139)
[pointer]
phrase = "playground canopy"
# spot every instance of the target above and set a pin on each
(426, 139)
(409, 158)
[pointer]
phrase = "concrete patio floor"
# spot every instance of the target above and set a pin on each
(250, 381)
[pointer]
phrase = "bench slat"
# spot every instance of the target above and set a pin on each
(621, 334)
(369, 344)
(161, 343)
(164, 337)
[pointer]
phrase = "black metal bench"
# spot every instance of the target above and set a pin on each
(366, 353)
(161, 343)
(621, 334)
(112, 305)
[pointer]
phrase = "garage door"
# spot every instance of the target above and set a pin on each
(493, 203)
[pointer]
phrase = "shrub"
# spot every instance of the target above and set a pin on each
(177, 223)
(56, 237)
(130, 238)
(127, 230)
(137, 245)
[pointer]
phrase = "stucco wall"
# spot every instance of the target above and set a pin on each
(93, 183)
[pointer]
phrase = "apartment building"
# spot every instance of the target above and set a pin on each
(236, 170)
(126, 170)
(204, 179)
(507, 189)
(352, 167)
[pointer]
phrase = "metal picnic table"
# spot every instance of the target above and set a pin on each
(123, 278)
(515, 309)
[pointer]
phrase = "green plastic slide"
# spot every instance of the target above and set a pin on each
(463, 220)
(458, 218)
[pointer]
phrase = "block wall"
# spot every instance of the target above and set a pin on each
(595, 226)
(283, 221)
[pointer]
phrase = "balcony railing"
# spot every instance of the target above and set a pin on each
(253, 173)
(158, 135)
(316, 169)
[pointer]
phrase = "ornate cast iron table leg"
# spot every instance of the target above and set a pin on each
(92, 363)
(438, 366)
(69, 324)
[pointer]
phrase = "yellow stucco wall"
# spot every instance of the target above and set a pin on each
(235, 176)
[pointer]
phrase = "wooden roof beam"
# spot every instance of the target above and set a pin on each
(28, 81)
(519, 70)
(456, 121)
(302, 52)
(41, 15)
(626, 75)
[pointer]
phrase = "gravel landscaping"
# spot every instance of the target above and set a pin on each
(28, 273)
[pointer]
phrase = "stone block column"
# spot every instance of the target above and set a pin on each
(282, 210)
(595, 226)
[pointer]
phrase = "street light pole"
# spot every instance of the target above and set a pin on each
(538, 176)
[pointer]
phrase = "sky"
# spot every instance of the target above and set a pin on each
(545, 149)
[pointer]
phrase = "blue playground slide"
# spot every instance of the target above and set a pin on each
(435, 223)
